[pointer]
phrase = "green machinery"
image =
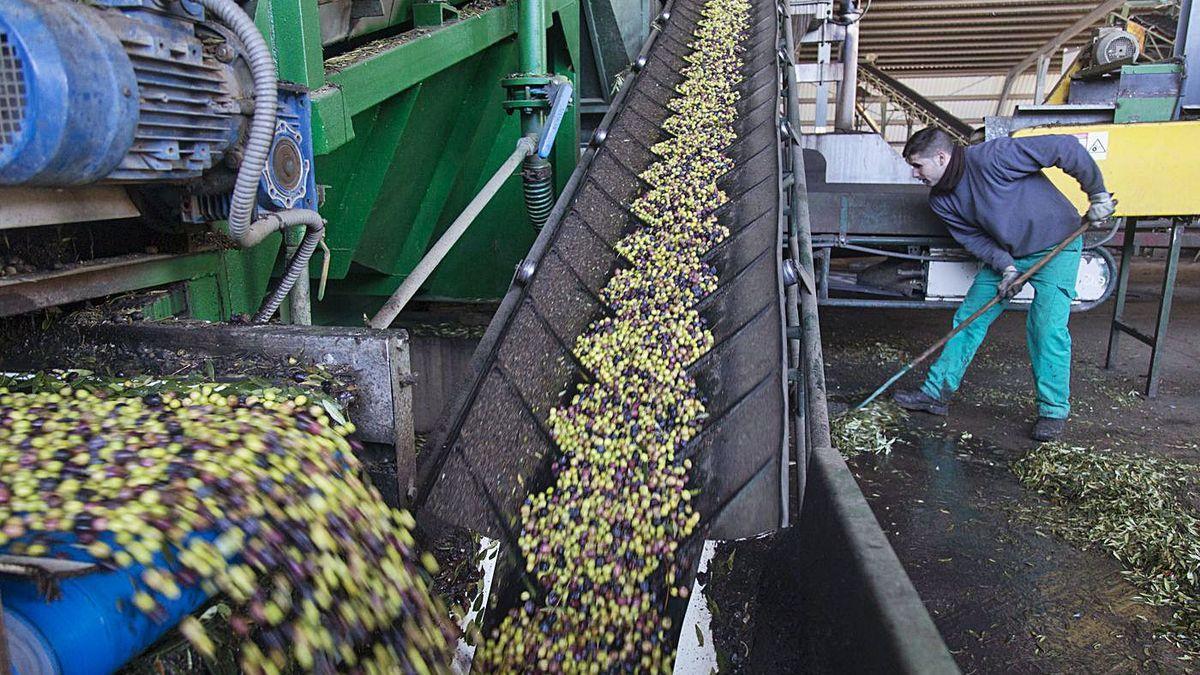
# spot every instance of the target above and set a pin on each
(413, 107)
(405, 137)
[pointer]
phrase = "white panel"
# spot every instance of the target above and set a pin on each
(949, 281)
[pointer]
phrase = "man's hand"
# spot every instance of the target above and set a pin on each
(1008, 286)
(1102, 207)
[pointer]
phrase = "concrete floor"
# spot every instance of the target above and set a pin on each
(1005, 595)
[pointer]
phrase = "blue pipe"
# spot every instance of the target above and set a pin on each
(93, 626)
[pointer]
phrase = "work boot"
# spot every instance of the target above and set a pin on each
(1048, 429)
(919, 400)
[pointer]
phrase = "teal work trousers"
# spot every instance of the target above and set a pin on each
(1046, 331)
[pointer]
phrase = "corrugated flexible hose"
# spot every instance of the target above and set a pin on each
(262, 126)
(537, 179)
(254, 160)
(298, 265)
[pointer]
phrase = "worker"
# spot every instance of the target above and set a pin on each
(998, 205)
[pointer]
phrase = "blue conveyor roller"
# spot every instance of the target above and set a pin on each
(92, 626)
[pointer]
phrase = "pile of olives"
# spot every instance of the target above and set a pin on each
(602, 542)
(256, 497)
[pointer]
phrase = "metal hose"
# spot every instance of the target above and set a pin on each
(262, 126)
(298, 265)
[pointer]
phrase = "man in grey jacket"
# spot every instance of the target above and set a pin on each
(999, 206)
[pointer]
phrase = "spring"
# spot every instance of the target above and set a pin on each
(538, 181)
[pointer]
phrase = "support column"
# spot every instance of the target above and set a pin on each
(848, 87)
(531, 46)
(1039, 87)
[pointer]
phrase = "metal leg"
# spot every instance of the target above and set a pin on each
(1114, 331)
(1164, 308)
(824, 285)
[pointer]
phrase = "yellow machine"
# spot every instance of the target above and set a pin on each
(1151, 168)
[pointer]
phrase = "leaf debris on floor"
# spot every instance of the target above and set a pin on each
(1134, 507)
(872, 429)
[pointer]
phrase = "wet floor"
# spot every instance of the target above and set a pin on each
(1007, 595)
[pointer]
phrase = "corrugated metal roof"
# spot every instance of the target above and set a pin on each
(963, 35)
(956, 52)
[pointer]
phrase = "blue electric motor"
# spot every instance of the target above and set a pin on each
(126, 94)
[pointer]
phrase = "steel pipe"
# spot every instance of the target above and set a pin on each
(848, 87)
(412, 283)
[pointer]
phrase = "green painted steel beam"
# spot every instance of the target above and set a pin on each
(292, 28)
(101, 279)
(531, 36)
(364, 163)
(379, 76)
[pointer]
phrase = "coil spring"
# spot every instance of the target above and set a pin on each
(538, 182)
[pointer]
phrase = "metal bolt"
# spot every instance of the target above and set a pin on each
(791, 275)
(224, 53)
(598, 138)
(525, 270)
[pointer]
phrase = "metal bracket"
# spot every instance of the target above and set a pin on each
(527, 92)
(428, 14)
(819, 72)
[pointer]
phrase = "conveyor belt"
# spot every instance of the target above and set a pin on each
(493, 446)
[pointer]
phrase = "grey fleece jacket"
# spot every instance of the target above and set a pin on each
(1004, 207)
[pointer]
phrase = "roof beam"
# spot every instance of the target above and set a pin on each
(960, 49)
(928, 42)
(908, 5)
(953, 12)
(1055, 44)
(960, 31)
(1010, 22)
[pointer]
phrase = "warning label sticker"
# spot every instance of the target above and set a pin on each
(1095, 142)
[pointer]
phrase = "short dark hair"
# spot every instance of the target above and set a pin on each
(928, 141)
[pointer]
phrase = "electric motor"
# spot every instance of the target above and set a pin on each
(139, 93)
(1114, 45)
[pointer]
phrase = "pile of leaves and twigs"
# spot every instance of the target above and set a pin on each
(1136, 508)
(871, 429)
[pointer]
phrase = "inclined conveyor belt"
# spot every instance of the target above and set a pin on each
(493, 445)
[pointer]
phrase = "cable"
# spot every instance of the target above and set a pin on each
(893, 254)
(1112, 233)
(262, 125)
(298, 266)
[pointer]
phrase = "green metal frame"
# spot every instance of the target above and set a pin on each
(405, 134)
(406, 129)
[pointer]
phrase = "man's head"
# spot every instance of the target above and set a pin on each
(928, 152)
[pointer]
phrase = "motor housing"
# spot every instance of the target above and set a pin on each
(117, 94)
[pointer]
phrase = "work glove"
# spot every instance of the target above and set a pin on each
(1102, 206)
(1008, 286)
